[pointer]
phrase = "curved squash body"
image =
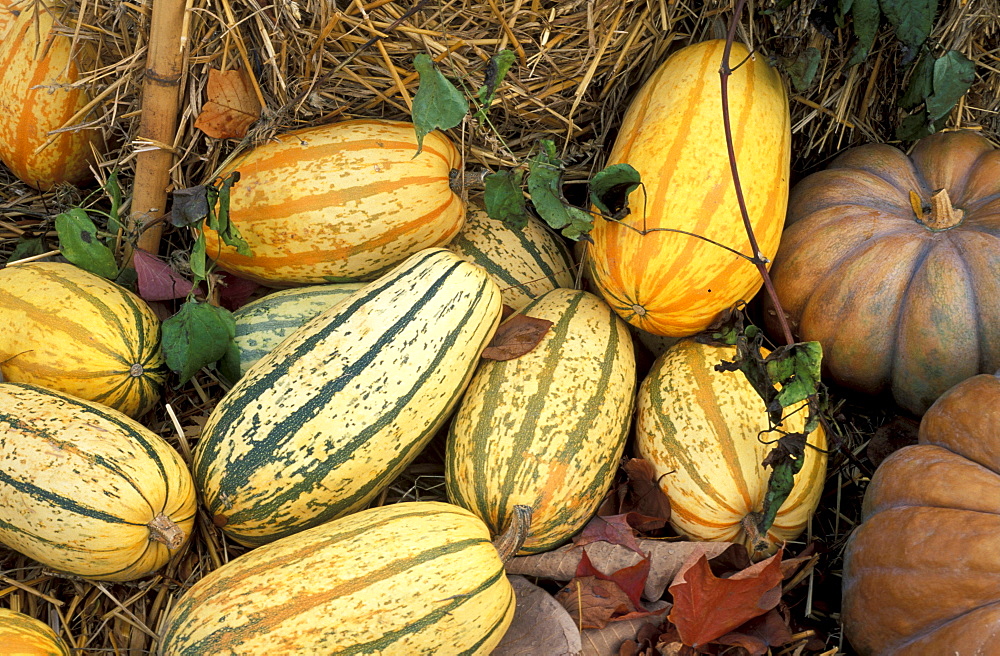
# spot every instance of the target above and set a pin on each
(86, 490)
(22, 635)
(72, 331)
(340, 203)
(699, 428)
(547, 429)
(37, 68)
(675, 284)
(525, 263)
(408, 578)
(323, 423)
(266, 322)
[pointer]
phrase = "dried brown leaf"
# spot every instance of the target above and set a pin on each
(516, 336)
(645, 496)
(231, 106)
(593, 602)
(541, 625)
(609, 640)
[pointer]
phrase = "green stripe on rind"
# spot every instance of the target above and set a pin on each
(12, 622)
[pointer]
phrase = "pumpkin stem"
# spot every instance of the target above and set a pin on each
(943, 214)
(756, 538)
(163, 529)
(509, 542)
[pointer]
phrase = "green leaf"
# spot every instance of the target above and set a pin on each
(198, 260)
(437, 103)
(80, 244)
(496, 70)
(504, 199)
(865, 17)
(913, 19)
(796, 368)
(26, 247)
(785, 460)
(545, 189)
(916, 126)
(197, 335)
(227, 230)
(921, 83)
(114, 192)
(803, 69)
(954, 73)
(229, 364)
(610, 189)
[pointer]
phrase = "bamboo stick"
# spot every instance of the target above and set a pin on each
(160, 104)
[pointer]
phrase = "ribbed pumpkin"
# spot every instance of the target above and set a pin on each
(69, 330)
(318, 427)
(86, 490)
(675, 284)
(408, 578)
(890, 263)
(7, 16)
(699, 428)
(22, 635)
(37, 67)
(340, 203)
(263, 324)
(524, 262)
(547, 429)
(922, 571)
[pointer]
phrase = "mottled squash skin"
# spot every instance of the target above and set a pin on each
(902, 303)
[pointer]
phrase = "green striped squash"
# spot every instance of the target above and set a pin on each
(547, 429)
(340, 203)
(525, 263)
(411, 578)
(323, 423)
(69, 330)
(86, 490)
(263, 324)
(22, 635)
(699, 428)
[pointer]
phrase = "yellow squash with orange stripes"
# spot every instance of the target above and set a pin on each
(38, 66)
(23, 635)
(675, 284)
(340, 203)
(699, 429)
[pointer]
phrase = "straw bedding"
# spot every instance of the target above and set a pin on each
(316, 61)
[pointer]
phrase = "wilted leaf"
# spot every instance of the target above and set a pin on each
(234, 291)
(156, 280)
(198, 335)
(802, 69)
(891, 436)
(707, 607)
(497, 68)
(26, 247)
(610, 188)
(608, 641)
(796, 368)
(231, 105)
(665, 560)
(541, 625)
(785, 460)
(189, 206)
(504, 200)
(80, 244)
(516, 336)
(437, 103)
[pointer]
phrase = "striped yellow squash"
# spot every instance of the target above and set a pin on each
(37, 67)
(525, 262)
(86, 490)
(675, 284)
(22, 635)
(69, 330)
(699, 428)
(547, 429)
(340, 203)
(263, 324)
(322, 424)
(409, 578)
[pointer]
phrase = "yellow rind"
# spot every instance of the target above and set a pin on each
(22, 635)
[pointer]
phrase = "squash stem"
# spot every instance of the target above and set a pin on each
(510, 541)
(943, 214)
(163, 529)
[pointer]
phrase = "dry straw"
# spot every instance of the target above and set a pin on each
(317, 61)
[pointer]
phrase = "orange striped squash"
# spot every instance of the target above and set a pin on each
(37, 67)
(699, 429)
(7, 16)
(340, 203)
(23, 635)
(675, 284)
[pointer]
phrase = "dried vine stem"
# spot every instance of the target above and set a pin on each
(758, 258)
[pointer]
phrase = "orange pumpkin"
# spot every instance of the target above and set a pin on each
(673, 284)
(890, 263)
(38, 67)
(922, 572)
